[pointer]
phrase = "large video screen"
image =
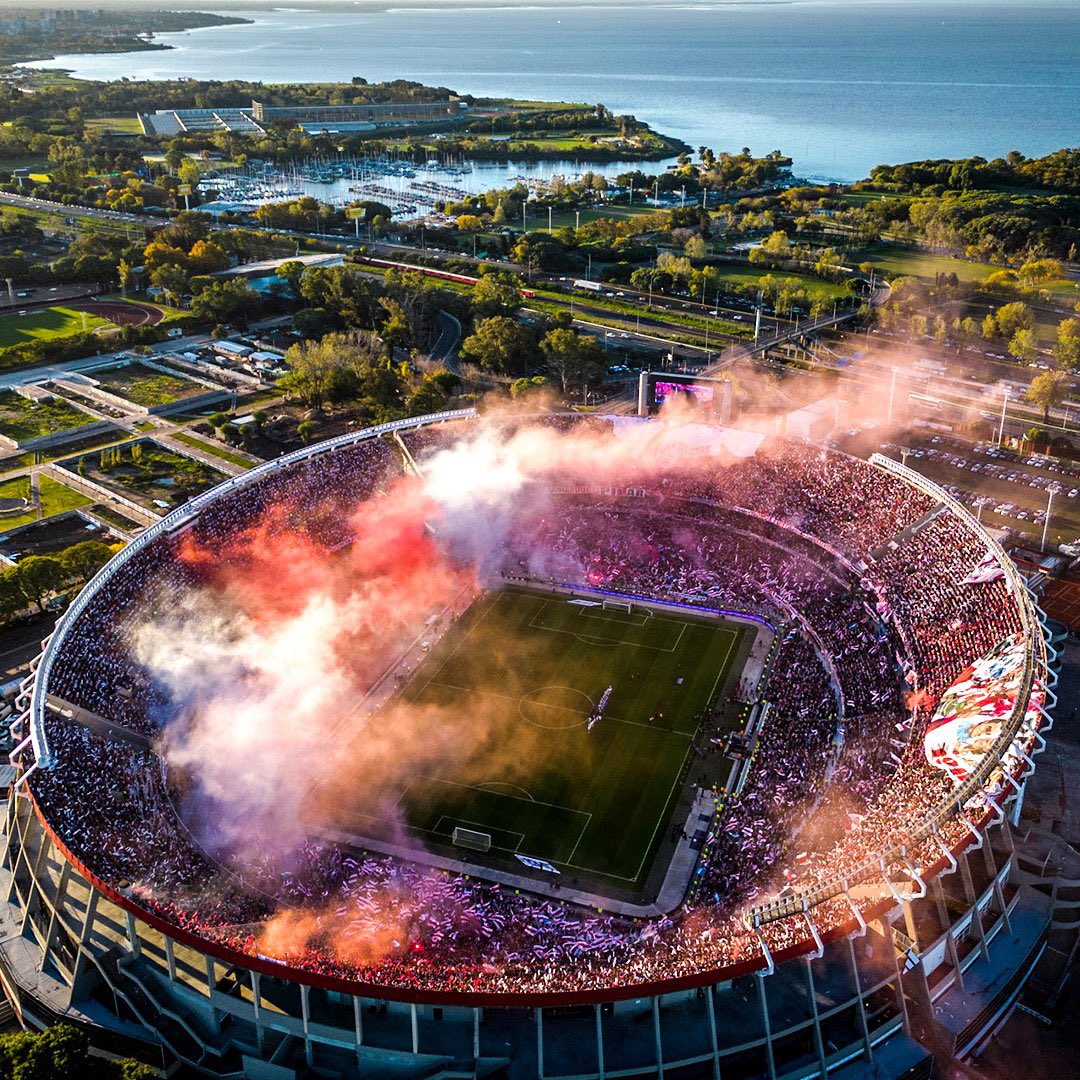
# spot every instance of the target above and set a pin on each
(698, 394)
(972, 713)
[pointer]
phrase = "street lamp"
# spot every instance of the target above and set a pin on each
(1001, 426)
(1051, 491)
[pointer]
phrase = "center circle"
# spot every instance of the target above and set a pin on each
(555, 707)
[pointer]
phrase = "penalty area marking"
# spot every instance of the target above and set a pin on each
(488, 784)
(537, 623)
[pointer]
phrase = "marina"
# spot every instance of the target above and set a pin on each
(411, 189)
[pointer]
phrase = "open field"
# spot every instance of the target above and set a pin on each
(101, 125)
(732, 276)
(897, 261)
(55, 322)
(569, 217)
(145, 386)
(519, 675)
(22, 419)
(56, 498)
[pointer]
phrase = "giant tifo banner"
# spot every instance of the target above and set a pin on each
(973, 712)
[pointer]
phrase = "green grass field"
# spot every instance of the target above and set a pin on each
(55, 322)
(732, 276)
(897, 261)
(56, 498)
(532, 666)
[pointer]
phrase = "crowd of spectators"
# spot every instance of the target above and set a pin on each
(864, 646)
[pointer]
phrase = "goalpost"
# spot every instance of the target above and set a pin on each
(471, 838)
(625, 606)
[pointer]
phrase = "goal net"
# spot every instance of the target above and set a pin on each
(626, 606)
(471, 839)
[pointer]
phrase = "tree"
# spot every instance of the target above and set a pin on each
(394, 330)
(492, 296)
(312, 371)
(1024, 345)
(124, 274)
(159, 253)
(347, 298)
(469, 223)
(40, 575)
(1067, 346)
(521, 388)
(433, 393)
(573, 358)
(306, 429)
(67, 164)
(1013, 317)
(82, 561)
(501, 345)
(12, 598)
(173, 280)
(62, 1052)
(189, 172)
(695, 248)
(225, 302)
(774, 248)
(206, 257)
(1048, 389)
(292, 273)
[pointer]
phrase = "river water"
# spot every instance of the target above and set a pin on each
(840, 85)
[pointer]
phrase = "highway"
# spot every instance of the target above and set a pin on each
(112, 217)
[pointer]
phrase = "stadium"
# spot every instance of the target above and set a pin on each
(552, 746)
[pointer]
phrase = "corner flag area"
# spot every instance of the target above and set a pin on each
(545, 766)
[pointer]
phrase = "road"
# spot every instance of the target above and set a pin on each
(86, 212)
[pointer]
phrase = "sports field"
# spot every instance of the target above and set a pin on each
(46, 324)
(519, 675)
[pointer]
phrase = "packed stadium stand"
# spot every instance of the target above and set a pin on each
(857, 907)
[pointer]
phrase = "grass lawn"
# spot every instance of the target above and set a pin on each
(145, 386)
(55, 322)
(897, 261)
(22, 419)
(56, 498)
(100, 125)
(619, 213)
(519, 675)
(861, 198)
(212, 449)
(735, 276)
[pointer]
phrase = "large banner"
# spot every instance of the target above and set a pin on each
(973, 712)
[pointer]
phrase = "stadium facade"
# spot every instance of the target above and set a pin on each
(921, 967)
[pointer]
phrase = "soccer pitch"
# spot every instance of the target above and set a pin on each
(533, 666)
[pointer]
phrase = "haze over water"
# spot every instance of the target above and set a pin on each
(839, 86)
